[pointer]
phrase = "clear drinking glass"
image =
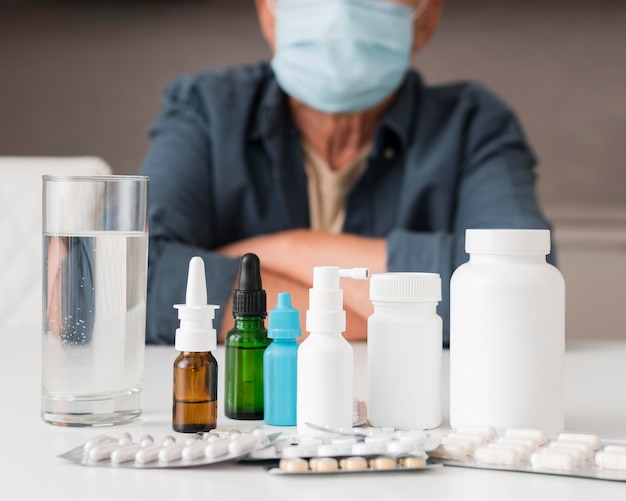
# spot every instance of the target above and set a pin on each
(95, 255)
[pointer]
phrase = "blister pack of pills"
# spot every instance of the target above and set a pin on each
(197, 450)
(351, 464)
(355, 450)
(533, 451)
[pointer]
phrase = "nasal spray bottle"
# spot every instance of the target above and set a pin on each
(325, 358)
(246, 343)
(195, 368)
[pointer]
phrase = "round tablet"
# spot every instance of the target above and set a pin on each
(382, 463)
(293, 465)
(354, 463)
(323, 464)
(412, 462)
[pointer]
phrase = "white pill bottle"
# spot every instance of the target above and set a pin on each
(507, 333)
(404, 351)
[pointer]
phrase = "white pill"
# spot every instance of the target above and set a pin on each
(334, 449)
(553, 460)
(579, 456)
(487, 433)
(268, 452)
(260, 435)
(243, 444)
(100, 439)
(592, 441)
(103, 451)
(171, 453)
(125, 453)
(194, 451)
(476, 440)
(344, 441)
(582, 449)
(400, 446)
(530, 444)
(501, 456)
(470, 447)
(312, 440)
(377, 439)
(364, 448)
(471, 443)
(522, 451)
(416, 436)
(449, 451)
(615, 448)
(147, 440)
(169, 440)
(538, 436)
(217, 448)
(148, 454)
(611, 460)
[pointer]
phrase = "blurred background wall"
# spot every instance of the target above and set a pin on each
(85, 78)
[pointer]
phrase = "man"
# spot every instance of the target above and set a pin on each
(336, 153)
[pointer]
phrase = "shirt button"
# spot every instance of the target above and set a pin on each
(389, 153)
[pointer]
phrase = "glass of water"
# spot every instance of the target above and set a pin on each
(95, 258)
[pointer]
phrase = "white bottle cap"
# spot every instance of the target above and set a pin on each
(326, 313)
(508, 241)
(196, 332)
(405, 287)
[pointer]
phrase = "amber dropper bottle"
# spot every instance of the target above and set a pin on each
(195, 369)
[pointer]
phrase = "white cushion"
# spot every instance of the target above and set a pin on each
(20, 233)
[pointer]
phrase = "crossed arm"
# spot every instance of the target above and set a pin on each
(287, 261)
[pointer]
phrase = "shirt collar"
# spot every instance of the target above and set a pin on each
(272, 103)
(400, 118)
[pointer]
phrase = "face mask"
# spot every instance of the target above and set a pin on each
(339, 56)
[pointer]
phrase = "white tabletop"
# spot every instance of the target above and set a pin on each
(29, 468)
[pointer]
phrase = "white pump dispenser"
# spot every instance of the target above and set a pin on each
(196, 332)
(325, 358)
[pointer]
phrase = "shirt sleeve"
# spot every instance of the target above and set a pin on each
(178, 163)
(495, 188)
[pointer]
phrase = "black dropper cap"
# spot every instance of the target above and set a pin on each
(249, 298)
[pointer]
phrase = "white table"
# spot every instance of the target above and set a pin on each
(595, 402)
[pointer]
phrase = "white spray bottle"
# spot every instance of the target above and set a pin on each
(325, 358)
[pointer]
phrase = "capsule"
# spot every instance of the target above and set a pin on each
(501, 456)
(592, 441)
(242, 444)
(553, 460)
(538, 436)
(611, 460)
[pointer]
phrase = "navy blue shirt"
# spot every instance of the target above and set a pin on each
(225, 163)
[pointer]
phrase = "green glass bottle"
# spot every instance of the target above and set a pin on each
(246, 343)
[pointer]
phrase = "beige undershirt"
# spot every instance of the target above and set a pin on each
(328, 189)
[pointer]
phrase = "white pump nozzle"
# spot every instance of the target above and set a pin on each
(196, 332)
(326, 313)
(356, 273)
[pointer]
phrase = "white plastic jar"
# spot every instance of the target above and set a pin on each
(507, 333)
(404, 347)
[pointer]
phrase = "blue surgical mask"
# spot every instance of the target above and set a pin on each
(339, 56)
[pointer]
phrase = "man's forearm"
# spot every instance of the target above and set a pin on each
(290, 256)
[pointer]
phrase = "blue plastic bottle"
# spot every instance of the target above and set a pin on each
(280, 364)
